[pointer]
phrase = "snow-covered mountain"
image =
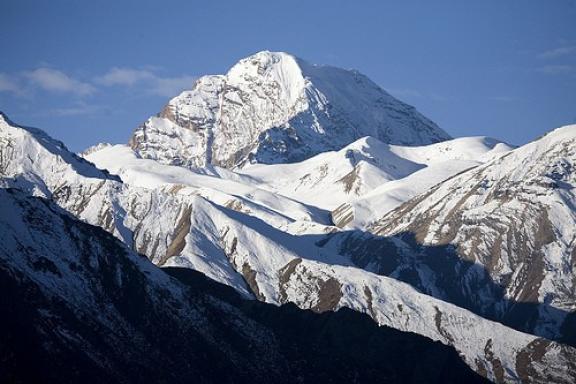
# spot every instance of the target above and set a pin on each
(79, 306)
(371, 177)
(235, 230)
(515, 217)
(274, 108)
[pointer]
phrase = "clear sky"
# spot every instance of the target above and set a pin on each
(91, 71)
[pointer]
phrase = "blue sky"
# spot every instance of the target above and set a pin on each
(91, 71)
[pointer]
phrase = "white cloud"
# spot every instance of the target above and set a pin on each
(153, 83)
(124, 76)
(77, 110)
(53, 80)
(557, 69)
(9, 84)
(172, 86)
(558, 52)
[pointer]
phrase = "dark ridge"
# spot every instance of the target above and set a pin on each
(344, 346)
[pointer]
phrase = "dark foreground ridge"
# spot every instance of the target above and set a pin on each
(78, 306)
(343, 346)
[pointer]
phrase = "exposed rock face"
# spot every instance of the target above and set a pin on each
(509, 228)
(342, 215)
(274, 108)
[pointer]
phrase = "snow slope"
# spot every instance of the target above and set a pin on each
(441, 161)
(328, 179)
(367, 177)
(372, 176)
(515, 216)
(274, 108)
(218, 185)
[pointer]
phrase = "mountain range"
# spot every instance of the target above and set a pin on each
(300, 186)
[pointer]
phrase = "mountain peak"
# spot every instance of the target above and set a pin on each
(273, 68)
(272, 108)
(269, 57)
(44, 155)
